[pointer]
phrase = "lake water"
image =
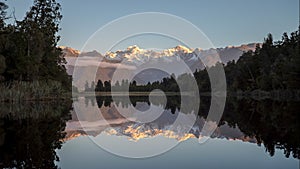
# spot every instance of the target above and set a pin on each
(103, 132)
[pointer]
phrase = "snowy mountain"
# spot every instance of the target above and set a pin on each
(112, 122)
(133, 56)
(70, 52)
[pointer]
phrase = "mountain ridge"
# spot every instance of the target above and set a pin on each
(133, 57)
(135, 54)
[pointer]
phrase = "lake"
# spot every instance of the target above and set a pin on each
(106, 132)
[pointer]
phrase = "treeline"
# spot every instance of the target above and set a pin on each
(273, 66)
(99, 87)
(167, 84)
(28, 48)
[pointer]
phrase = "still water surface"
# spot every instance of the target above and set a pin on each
(251, 134)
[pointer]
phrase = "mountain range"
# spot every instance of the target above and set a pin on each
(111, 122)
(133, 57)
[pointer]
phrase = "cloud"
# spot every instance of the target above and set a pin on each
(92, 61)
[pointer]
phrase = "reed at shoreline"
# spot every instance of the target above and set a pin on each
(18, 91)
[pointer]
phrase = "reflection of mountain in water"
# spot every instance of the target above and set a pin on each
(112, 122)
(272, 123)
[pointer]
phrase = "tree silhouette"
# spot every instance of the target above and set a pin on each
(30, 48)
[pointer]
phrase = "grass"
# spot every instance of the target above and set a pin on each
(18, 91)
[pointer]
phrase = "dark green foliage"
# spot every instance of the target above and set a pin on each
(2, 66)
(274, 66)
(99, 86)
(107, 86)
(29, 47)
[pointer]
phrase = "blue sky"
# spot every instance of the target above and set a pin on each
(225, 22)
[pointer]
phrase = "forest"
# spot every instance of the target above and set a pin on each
(275, 66)
(31, 65)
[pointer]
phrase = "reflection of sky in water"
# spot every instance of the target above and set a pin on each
(79, 151)
(215, 153)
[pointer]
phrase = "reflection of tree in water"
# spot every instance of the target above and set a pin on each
(88, 100)
(173, 103)
(273, 123)
(30, 141)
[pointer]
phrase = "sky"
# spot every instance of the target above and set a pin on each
(225, 23)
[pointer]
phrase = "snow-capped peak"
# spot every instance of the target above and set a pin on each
(177, 50)
(135, 55)
(183, 49)
(134, 49)
(69, 52)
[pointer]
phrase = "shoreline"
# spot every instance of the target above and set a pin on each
(280, 95)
